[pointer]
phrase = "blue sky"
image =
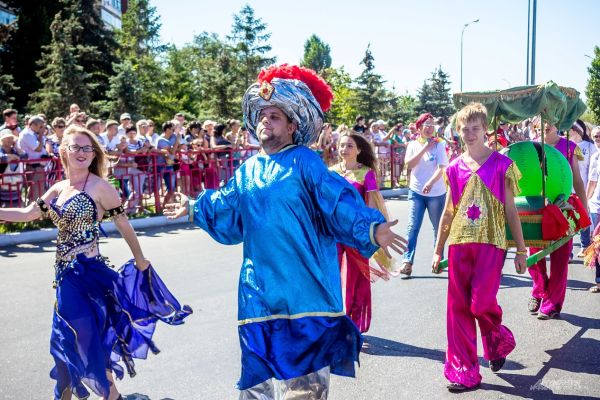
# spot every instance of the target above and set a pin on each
(409, 39)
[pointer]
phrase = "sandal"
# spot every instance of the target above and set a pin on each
(534, 305)
(406, 270)
(551, 315)
(595, 289)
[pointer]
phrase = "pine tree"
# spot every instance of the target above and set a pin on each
(124, 92)
(441, 98)
(424, 98)
(64, 81)
(592, 90)
(7, 87)
(19, 53)
(219, 71)
(249, 39)
(7, 82)
(371, 92)
(139, 41)
(139, 35)
(98, 44)
(434, 96)
(316, 54)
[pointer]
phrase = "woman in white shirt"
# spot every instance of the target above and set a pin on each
(578, 134)
(426, 159)
(593, 195)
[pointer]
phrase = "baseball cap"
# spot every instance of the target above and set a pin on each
(124, 116)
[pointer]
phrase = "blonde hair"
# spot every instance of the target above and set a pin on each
(98, 166)
(471, 112)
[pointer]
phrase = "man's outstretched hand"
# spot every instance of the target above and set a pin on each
(388, 239)
(179, 209)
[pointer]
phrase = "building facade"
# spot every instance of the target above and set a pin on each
(111, 12)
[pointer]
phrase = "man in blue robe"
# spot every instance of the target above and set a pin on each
(289, 211)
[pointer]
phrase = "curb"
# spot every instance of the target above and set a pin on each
(47, 234)
(394, 193)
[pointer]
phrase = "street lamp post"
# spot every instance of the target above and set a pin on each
(461, 50)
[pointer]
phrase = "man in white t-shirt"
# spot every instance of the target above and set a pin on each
(111, 138)
(426, 158)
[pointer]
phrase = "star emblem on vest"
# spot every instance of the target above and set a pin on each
(473, 212)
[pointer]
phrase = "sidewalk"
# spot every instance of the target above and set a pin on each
(43, 235)
(394, 193)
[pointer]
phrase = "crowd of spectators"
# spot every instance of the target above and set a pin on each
(188, 156)
(146, 161)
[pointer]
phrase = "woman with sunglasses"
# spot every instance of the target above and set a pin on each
(53, 142)
(101, 316)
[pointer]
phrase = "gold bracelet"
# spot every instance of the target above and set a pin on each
(521, 253)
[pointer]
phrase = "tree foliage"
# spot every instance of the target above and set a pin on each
(96, 44)
(129, 70)
(316, 54)
(343, 109)
(249, 38)
(592, 90)
(64, 80)
(7, 82)
(18, 55)
(139, 40)
(124, 92)
(372, 95)
(400, 108)
(434, 96)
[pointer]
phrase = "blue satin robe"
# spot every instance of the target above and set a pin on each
(289, 211)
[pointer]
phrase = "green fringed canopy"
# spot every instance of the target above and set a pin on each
(557, 105)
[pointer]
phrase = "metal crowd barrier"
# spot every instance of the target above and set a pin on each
(143, 180)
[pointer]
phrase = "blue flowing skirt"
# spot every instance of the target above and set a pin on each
(103, 317)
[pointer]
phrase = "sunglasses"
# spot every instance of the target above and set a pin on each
(59, 126)
(596, 136)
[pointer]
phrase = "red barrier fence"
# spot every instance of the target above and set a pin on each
(146, 181)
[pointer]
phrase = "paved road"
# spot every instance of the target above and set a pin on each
(200, 360)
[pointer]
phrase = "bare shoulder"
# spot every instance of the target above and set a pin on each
(54, 190)
(103, 192)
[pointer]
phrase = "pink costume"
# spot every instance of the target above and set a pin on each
(476, 253)
(357, 272)
(552, 289)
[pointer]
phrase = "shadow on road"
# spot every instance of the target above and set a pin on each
(518, 281)
(578, 355)
(384, 347)
(28, 248)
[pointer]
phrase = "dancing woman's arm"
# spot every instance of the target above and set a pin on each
(33, 211)
(110, 201)
(29, 213)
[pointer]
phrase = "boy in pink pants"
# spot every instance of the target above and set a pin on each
(480, 201)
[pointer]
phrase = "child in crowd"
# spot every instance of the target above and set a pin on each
(480, 201)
